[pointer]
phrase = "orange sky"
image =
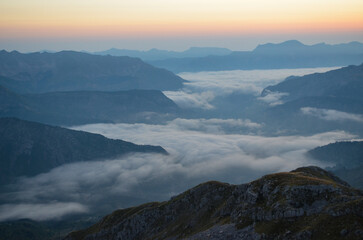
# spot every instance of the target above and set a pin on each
(27, 19)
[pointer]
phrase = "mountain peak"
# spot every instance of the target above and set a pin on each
(303, 203)
(292, 43)
(278, 47)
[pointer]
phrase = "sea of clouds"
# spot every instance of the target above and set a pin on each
(199, 150)
(332, 115)
(203, 87)
(195, 156)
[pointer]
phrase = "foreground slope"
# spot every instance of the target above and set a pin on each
(29, 148)
(73, 71)
(307, 203)
(82, 107)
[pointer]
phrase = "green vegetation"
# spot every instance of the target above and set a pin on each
(321, 227)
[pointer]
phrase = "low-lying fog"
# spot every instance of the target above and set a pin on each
(203, 87)
(199, 150)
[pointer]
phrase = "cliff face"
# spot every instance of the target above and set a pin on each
(307, 203)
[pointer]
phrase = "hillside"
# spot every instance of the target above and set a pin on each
(82, 107)
(29, 148)
(318, 102)
(346, 82)
(307, 203)
(347, 157)
(345, 154)
(74, 71)
(289, 54)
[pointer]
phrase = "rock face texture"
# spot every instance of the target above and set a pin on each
(307, 203)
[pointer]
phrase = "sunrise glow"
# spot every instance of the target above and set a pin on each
(26, 19)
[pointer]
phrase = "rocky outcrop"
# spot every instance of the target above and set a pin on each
(307, 203)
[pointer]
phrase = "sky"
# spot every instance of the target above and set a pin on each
(29, 25)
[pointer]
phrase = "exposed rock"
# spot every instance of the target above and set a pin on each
(308, 203)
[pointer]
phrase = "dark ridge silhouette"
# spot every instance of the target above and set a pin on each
(70, 71)
(82, 107)
(156, 54)
(289, 54)
(347, 157)
(29, 148)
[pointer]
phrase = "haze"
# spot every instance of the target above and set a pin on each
(174, 25)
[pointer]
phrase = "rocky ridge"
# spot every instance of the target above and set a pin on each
(307, 203)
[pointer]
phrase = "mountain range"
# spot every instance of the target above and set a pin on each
(82, 107)
(157, 54)
(307, 203)
(345, 82)
(74, 71)
(30, 148)
(289, 54)
(71, 88)
(317, 102)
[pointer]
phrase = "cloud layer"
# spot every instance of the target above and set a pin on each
(203, 87)
(200, 150)
(332, 115)
(40, 212)
(273, 98)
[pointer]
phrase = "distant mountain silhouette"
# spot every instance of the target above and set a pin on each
(70, 71)
(289, 54)
(156, 54)
(30, 148)
(296, 47)
(81, 107)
